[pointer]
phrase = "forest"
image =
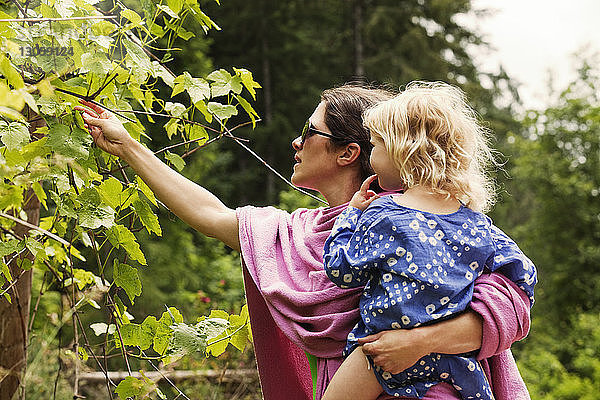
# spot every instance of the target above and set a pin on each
(98, 276)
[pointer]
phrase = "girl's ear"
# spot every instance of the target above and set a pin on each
(348, 154)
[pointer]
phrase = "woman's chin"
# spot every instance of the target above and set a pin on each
(298, 181)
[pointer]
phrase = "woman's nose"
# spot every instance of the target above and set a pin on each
(297, 143)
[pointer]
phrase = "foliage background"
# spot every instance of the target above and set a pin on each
(549, 186)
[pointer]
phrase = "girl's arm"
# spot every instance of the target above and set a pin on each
(195, 205)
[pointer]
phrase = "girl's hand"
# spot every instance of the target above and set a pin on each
(106, 129)
(364, 196)
(395, 350)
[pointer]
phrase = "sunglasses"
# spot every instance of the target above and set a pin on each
(309, 130)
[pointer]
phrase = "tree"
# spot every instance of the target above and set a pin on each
(554, 214)
(298, 48)
(52, 56)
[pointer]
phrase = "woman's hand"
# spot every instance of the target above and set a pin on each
(106, 129)
(364, 196)
(395, 350)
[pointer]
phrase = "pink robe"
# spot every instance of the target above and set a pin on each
(294, 308)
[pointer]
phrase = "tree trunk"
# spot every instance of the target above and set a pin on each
(14, 317)
(266, 72)
(357, 22)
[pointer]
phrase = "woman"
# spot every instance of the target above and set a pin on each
(294, 307)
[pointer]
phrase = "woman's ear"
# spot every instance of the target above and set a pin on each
(348, 154)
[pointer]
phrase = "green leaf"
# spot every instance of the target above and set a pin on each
(167, 10)
(14, 135)
(83, 277)
(148, 331)
(137, 59)
(64, 204)
(224, 82)
(83, 355)
(93, 213)
(69, 143)
(120, 236)
(130, 333)
(171, 128)
(103, 28)
(240, 329)
(215, 327)
(131, 16)
(175, 5)
(29, 99)
(95, 62)
(218, 345)
(197, 132)
(175, 160)
(10, 73)
(65, 8)
(247, 80)
(142, 187)
(111, 192)
(197, 88)
(181, 32)
(148, 218)
(186, 340)
(149, 9)
(35, 149)
(175, 109)
(11, 196)
(36, 248)
(222, 111)
(204, 110)
(127, 278)
(129, 387)
(11, 246)
(164, 332)
(5, 271)
(202, 18)
(248, 108)
(162, 72)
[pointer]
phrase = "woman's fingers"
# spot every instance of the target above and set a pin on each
(99, 110)
(92, 120)
(86, 111)
(370, 338)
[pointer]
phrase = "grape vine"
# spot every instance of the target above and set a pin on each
(53, 55)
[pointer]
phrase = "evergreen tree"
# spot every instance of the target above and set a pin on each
(298, 48)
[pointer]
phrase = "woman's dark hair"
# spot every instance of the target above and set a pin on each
(344, 107)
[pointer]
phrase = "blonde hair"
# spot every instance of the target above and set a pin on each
(435, 140)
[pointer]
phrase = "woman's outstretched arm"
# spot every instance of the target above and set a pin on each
(195, 205)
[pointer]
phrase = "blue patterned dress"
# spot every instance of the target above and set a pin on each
(419, 268)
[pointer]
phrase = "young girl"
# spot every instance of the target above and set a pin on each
(418, 253)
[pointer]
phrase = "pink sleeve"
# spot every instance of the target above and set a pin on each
(505, 311)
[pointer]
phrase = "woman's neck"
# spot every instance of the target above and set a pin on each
(342, 189)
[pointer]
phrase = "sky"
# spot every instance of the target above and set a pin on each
(534, 39)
